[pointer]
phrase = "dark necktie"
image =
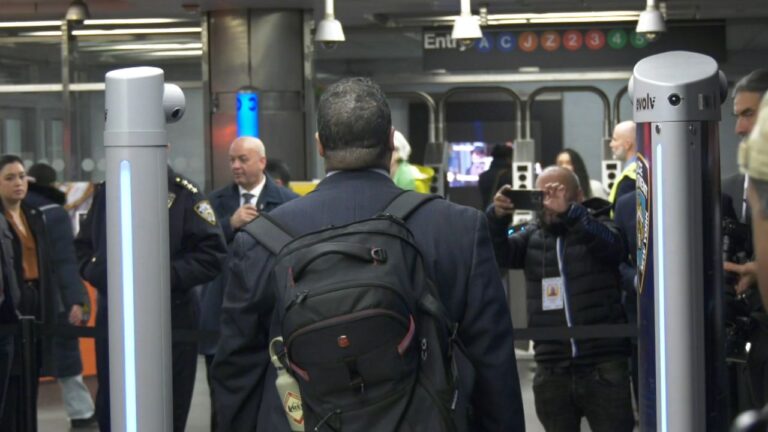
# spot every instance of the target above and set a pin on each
(247, 197)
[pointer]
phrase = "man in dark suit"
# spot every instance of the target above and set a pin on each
(741, 299)
(355, 137)
(251, 192)
(746, 103)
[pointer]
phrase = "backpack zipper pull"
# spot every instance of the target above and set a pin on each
(297, 299)
(301, 296)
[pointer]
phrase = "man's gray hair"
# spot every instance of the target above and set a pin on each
(754, 82)
(353, 124)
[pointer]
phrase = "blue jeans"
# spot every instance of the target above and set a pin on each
(599, 392)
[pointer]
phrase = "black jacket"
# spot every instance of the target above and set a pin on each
(498, 174)
(58, 225)
(49, 200)
(196, 242)
(592, 250)
(458, 258)
(49, 301)
(9, 293)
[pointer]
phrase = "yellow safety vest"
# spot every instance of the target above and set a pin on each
(630, 171)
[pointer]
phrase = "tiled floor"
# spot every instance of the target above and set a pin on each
(52, 418)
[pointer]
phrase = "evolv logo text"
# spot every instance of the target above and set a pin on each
(645, 103)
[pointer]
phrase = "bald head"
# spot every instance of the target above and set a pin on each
(564, 176)
(247, 159)
(623, 141)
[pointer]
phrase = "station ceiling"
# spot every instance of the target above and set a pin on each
(365, 13)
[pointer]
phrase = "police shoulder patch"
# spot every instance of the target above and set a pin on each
(205, 211)
(171, 198)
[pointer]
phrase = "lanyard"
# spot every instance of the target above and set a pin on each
(743, 216)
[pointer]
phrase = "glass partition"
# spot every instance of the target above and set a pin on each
(33, 121)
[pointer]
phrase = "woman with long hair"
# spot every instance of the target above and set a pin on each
(571, 159)
(34, 280)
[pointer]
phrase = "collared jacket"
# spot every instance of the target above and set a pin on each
(225, 202)
(590, 249)
(49, 201)
(49, 300)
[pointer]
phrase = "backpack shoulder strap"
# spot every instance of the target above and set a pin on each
(405, 203)
(268, 232)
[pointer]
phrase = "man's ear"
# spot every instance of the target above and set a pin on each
(391, 138)
(320, 149)
(580, 195)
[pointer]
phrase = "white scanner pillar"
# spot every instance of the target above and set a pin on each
(677, 97)
(138, 104)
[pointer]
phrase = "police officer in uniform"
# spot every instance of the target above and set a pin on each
(197, 255)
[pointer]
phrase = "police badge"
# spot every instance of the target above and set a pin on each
(171, 198)
(205, 211)
(644, 220)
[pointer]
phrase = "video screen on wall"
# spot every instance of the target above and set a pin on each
(467, 161)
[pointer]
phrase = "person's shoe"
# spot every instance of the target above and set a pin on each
(83, 422)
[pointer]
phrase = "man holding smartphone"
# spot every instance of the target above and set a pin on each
(571, 257)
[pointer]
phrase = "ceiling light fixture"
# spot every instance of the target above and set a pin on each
(329, 31)
(580, 20)
(521, 18)
(466, 27)
(77, 12)
(130, 31)
(22, 24)
(141, 47)
(134, 21)
(179, 53)
(93, 22)
(651, 21)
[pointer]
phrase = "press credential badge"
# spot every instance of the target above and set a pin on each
(552, 293)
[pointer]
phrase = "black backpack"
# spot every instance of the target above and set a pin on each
(365, 334)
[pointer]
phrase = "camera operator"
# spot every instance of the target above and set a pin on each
(746, 317)
(753, 160)
(571, 258)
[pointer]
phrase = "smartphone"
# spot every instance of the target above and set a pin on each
(525, 199)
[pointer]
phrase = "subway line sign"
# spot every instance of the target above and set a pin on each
(599, 45)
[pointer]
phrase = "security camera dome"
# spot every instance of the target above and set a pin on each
(651, 23)
(329, 32)
(77, 12)
(466, 27)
